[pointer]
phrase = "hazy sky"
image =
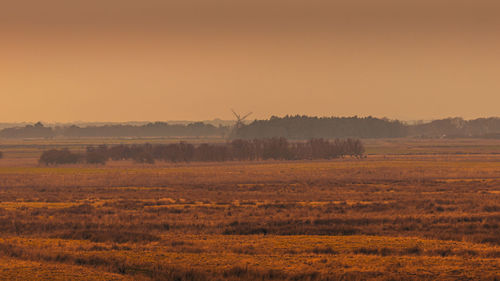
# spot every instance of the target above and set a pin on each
(111, 60)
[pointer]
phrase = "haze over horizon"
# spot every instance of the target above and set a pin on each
(118, 61)
(207, 121)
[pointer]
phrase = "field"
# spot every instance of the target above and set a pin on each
(411, 210)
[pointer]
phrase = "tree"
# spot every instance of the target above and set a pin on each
(97, 155)
(59, 156)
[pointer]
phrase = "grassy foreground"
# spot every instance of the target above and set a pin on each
(407, 216)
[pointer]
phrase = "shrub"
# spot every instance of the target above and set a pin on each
(242, 150)
(59, 156)
(97, 155)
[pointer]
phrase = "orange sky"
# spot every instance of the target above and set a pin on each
(113, 60)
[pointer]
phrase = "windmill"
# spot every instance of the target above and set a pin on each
(240, 120)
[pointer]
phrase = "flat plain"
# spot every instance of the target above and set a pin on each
(411, 210)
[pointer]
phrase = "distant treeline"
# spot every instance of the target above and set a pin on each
(458, 127)
(300, 127)
(290, 127)
(157, 129)
(236, 150)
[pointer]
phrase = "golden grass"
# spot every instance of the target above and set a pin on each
(24, 270)
(412, 216)
(325, 255)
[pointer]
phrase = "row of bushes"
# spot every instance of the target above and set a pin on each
(236, 150)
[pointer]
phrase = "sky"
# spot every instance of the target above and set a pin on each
(111, 60)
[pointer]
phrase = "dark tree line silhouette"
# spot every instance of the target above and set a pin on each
(236, 150)
(157, 129)
(37, 130)
(60, 156)
(304, 127)
(290, 127)
(458, 127)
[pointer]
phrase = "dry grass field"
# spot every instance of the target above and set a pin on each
(411, 210)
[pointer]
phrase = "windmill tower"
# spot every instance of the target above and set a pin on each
(239, 121)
